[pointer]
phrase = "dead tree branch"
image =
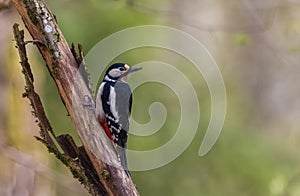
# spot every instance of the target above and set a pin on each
(79, 164)
(101, 171)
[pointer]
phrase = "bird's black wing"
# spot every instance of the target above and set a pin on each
(111, 116)
(116, 103)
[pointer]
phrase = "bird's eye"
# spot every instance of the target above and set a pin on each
(122, 69)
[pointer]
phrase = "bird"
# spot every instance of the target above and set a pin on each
(113, 107)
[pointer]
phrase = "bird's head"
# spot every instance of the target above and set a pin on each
(120, 71)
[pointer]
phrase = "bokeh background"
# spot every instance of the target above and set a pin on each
(256, 45)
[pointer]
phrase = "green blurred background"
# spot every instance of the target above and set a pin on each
(256, 45)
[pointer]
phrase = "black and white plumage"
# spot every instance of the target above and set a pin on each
(113, 106)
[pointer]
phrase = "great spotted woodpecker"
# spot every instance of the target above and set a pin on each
(113, 107)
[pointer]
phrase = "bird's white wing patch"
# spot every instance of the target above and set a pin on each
(112, 103)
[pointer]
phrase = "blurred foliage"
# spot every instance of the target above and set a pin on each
(246, 160)
(241, 39)
(243, 161)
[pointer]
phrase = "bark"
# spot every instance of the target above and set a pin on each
(95, 164)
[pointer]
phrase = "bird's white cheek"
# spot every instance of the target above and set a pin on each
(114, 73)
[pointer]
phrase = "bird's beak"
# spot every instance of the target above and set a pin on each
(130, 70)
(133, 69)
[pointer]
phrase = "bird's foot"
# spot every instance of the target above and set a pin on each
(87, 102)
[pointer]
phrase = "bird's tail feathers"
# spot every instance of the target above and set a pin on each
(122, 157)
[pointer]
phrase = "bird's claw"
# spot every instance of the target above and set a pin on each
(87, 102)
